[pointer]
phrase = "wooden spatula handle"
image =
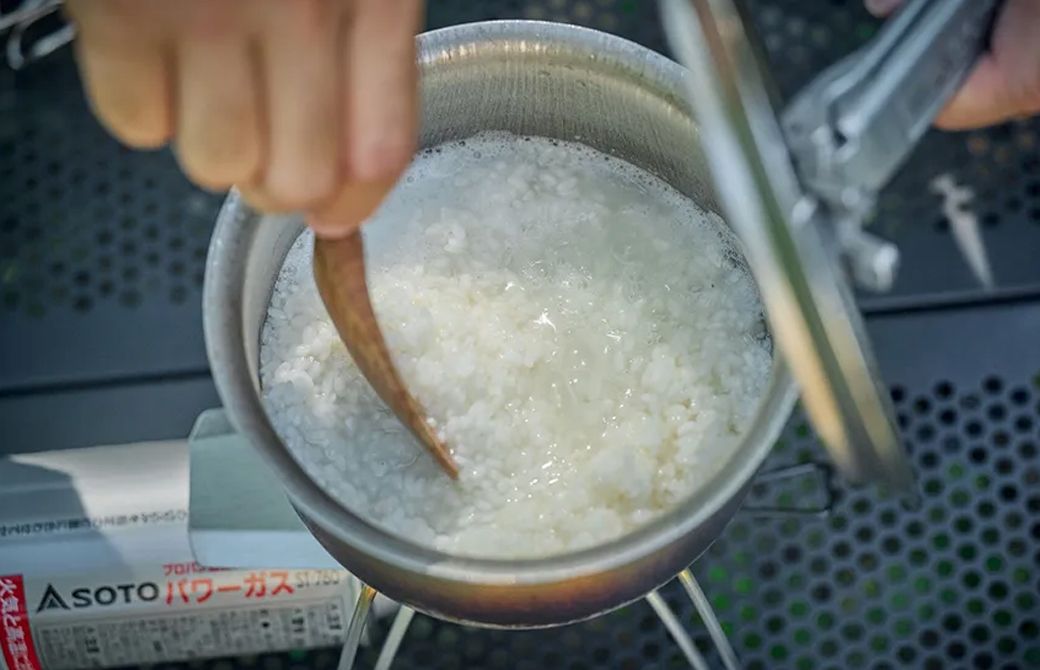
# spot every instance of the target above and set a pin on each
(339, 270)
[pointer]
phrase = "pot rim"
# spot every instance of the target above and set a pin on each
(223, 326)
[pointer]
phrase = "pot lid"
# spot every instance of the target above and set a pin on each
(794, 242)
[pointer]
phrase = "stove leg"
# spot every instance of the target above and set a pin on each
(356, 627)
(711, 622)
(677, 631)
(393, 639)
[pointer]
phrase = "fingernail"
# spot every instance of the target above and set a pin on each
(298, 187)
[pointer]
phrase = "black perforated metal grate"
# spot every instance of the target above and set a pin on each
(84, 220)
(879, 584)
(101, 252)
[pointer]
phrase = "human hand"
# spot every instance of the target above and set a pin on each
(1005, 83)
(304, 105)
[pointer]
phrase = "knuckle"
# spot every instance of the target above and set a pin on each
(205, 179)
(218, 159)
(141, 127)
(197, 168)
(213, 20)
(258, 198)
(209, 173)
(384, 158)
(300, 189)
(314, 15)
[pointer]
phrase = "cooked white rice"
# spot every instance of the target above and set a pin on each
(579, 331)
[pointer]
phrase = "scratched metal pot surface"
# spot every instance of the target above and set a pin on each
(531, 78)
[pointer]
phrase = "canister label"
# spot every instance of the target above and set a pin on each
(169, 612)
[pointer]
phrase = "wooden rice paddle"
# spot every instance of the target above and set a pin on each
(339, 270)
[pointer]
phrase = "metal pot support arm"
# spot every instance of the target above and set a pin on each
(798, 188)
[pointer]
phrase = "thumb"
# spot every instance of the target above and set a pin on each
(1005, 83)
(349, 208)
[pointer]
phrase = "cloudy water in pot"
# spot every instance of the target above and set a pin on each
(583, 336)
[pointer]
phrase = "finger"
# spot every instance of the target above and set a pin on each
(982, 100)
(1005, 84)
(381, 91)
(259, 198)
(218, 129)
(123, 59)
(381, 111)
(300, 63)
(882, 7)
(354, 202)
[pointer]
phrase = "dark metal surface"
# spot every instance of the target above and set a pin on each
(101, 254)
(101, 258)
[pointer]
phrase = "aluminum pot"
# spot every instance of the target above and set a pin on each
(532, 78)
